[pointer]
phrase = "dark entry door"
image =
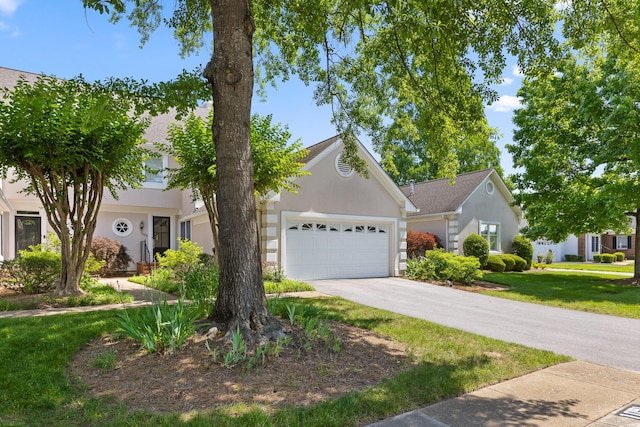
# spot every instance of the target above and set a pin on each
(27, 232)
(161, 234)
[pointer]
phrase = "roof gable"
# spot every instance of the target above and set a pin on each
(320, 150)
(439, 196)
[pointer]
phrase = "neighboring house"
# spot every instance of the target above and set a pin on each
(338, 225)
(144, 220)
(587, 245)
(477, 202)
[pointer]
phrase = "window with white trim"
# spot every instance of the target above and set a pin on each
(185, 230)
(622, 242)
(491, 232)
(154, 176)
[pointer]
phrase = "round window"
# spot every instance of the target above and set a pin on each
(342, 167)
(122, 227)
(490, 187)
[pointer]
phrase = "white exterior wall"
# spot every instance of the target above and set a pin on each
(568, 247)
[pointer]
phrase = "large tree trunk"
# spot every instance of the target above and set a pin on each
(241, 301)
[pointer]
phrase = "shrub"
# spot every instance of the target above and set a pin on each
(187, 256)
(570, 258)
(523, 248)
(272, 272)
(495, 263)
(115, 256)
(597, 257)
(477, 246)
(440, 265)
(608, 258)
(619, 256)
(509, 262)
(548, 258)
(201, 287)
(540, 258)
(521, 263)
(418, 242)
(33, 272)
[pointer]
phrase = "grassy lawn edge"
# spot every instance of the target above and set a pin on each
(450, 363)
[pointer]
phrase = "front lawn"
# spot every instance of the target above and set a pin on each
(590, 266)
(591, 292)
(36, 391)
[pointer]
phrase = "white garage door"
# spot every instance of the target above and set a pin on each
(325, 250)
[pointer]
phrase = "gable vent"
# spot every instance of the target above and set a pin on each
(342, 167)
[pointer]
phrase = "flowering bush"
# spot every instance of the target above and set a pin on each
(272, 272)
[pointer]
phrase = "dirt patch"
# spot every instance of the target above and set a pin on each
(625, 282)
(190, 380)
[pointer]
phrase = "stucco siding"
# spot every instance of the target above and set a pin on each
(436, 226)
(492, 208)
(327, 192)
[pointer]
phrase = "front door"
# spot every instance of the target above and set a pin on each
(161, 234)
(27, 232)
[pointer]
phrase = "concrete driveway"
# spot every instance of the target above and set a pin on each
(604, 340)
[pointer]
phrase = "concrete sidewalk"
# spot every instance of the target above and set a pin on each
(573, 394)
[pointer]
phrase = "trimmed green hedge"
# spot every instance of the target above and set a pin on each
(608, 258)
(573, 258)
(476, 246)
(440, 266)
(619, 256)
(523, 248)
(495, 263)
(509, 262)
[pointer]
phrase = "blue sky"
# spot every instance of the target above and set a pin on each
(60, 38)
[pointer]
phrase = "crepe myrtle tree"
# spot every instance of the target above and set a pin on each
(69, 140)
(277, 161)
(376, 63)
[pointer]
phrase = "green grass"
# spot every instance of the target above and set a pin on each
(35, 390)
(96, 294)
(590, 292)
(166, 284)
(591, 266)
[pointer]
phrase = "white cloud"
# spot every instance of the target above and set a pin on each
(506, 81)
(3, 26)
(516, 71)
(505, 103)
(7, 7)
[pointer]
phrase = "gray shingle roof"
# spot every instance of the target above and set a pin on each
(318, 148)
(439, 196)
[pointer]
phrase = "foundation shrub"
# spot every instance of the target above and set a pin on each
(477, 246)
(495, 263)
(522, 247)
(419, 242)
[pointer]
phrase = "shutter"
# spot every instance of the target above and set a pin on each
(614, 245)
(628, 242)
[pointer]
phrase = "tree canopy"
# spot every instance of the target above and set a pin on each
(426, 67)
(276, 160)
(578, 142)
(69, 140)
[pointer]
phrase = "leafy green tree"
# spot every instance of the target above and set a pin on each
(69, 140)
(375, 62)
(276, 161)
(578, 143)
(407, 160)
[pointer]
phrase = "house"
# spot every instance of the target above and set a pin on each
(144, 220)
(476, 202)
(339, 224)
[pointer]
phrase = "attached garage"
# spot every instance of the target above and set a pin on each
(321, 249)
(338, 224)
